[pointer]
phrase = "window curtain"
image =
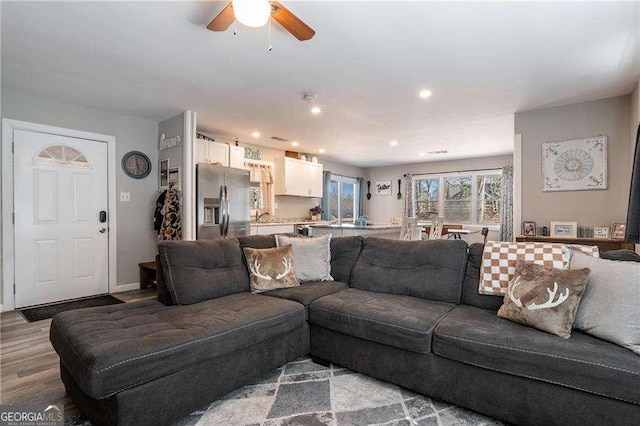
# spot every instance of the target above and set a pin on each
(632, 234)
(326, 196)
(360, 196)
(408, 192)
(506, 204)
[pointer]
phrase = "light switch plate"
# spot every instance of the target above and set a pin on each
(125, 196)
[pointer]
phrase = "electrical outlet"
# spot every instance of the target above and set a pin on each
(125, 196)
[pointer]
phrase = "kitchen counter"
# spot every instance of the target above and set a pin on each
(373, 227)
(348, 229)
(308, 222)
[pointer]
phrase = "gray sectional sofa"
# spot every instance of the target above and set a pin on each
(403, 311)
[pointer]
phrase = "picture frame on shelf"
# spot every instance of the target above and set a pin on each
(564, 229)
(163, 174)
(618, 231)
(601, 232)
(529, 229)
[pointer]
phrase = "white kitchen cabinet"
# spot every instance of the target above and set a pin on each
(297, 177)
(271, 229)
(236, 157)
(212, 152)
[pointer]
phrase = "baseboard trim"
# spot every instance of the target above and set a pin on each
(127, 287)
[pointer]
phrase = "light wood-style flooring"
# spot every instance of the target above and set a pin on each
(29, 367)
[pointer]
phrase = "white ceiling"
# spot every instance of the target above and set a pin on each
(483, 62)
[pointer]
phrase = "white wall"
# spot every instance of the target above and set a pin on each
(135, 235)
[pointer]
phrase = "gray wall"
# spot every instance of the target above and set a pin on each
(381, 208)
(135, 235)
(171, 127)
(609, 117)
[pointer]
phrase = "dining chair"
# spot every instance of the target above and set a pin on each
(484, 232)
(409, 229)
(436, 229)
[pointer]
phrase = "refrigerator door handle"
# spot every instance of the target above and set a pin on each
(226, 201)
(222, 213)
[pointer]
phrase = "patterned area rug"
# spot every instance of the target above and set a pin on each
(305, 393)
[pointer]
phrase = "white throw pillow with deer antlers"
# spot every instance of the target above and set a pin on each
(544, 298)
(270, 269)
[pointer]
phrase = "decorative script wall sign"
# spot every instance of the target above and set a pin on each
(575, 165)
(166, 143)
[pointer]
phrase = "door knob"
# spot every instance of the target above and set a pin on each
(103, 230)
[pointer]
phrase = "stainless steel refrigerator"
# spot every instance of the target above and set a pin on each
(222, 201)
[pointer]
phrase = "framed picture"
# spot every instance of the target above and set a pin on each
(163, 174)
(564, 229)
(529, 229)
(618, 230)
(600, 232)
(174, 178)
(383, 187)
(574, 165)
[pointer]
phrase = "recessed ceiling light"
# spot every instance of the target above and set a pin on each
(255, 134)
(393, 143)
(425, 93)
(421, 154)
(294, 143)
(321, 150)
(316, 110)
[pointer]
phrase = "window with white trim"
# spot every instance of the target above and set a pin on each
(61, 155)
(344, 196)
(461, 197)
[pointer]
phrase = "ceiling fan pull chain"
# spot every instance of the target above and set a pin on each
(269, 35)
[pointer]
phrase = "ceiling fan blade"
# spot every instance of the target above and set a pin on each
(291, 22)
(223, 20)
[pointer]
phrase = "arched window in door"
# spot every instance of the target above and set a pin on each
(61, 155)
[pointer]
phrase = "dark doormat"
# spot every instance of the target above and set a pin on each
(48, 311)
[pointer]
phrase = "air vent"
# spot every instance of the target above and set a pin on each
(278, 138)
(438, 152)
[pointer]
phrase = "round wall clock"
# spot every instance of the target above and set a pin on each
(136, 164)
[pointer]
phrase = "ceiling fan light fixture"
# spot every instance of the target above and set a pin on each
(252, 13)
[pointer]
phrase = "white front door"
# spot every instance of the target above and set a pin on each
(61, 244)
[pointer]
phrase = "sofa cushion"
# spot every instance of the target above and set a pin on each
(200, 270)
(344, 253)
(308, 292)
(112, 348)
(624, 255)
(427, 269)
(402, 321)
(470, 294)
(478, 337)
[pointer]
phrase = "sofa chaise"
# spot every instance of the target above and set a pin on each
(407, 312)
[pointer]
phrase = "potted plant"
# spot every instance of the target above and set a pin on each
(315, 212)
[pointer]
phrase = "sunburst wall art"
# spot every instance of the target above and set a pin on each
(574, 165)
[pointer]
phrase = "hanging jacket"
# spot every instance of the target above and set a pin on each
(157, 214)
(171, 228)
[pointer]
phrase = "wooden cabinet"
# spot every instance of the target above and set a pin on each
(604, 244)
(236, 157)
(298, 178)
(212, 152)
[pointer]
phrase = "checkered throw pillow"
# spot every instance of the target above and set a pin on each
(592, 251)
(499, 262)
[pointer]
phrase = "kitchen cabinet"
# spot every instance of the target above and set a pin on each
(271, 229)
(236, 157)
(212, 152)
(298, 178)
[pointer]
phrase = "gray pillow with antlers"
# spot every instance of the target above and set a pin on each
(271, 268)
(544, 298)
